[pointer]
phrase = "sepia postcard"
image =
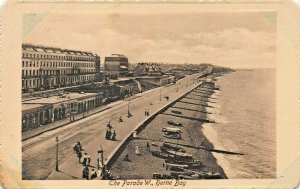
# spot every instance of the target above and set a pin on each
(152, 94)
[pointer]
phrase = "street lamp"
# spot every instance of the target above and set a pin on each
(56, 168)
(100, 157)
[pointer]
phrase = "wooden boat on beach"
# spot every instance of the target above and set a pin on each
(163, 176)
(191, 164)
(176, 112)
(166, 150)
(172, 147)
(183, 167)
(162, 154)
(180, 155)
(175, 123)
(198, 174)
(172, 135)
(171, 130)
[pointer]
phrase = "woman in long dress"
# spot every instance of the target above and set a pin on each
(137, 151)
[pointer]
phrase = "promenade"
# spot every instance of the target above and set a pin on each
(90, 132)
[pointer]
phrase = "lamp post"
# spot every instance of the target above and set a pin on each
(70, 111)
(100, 157)
(56, 168)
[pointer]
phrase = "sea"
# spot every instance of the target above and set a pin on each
(245, 115)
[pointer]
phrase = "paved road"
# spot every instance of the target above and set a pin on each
(39, 152)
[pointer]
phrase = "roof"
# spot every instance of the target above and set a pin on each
(57, 99)
(30, 106)
(41, 48)
(118, 55)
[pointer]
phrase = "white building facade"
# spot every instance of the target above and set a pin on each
(47, 67)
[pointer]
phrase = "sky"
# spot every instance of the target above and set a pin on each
(231, 39)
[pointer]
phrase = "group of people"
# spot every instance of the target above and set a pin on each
(78, 150)
(110, 135)
(86, 173)
(85, 162)
(147, 112)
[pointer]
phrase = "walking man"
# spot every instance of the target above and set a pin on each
(148, 146)
(85, 156)
(113, 136)
(79, 155)
(85, 173)
(137, 151)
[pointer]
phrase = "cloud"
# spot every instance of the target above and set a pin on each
(234, 47)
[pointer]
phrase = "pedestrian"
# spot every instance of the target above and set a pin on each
(109, 125)
(85, 173)
(113, 136)
(145, 112)
(134, 135)
(148, 146)
(79, 145)
(137, 151)
(93, 174)
(79, 155)
(88, 160)
(75, 148)
(107, 134)
(126, 158)
(85, 156)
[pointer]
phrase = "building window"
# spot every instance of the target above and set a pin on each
(22, 73)
(29, 72)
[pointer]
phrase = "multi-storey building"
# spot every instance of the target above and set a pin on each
(48, 67)
(147, 68)
(116, 65)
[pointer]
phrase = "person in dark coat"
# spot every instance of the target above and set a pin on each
(85, 173)
(79, 155)
(126, 158)
(93, 174)
(148, 146)
(113, 136)
(107, 134)
(109, 125)
(88, 160)
(79, 146)
(75, 148)
(85, 156)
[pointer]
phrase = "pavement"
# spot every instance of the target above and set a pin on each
(60, 123)
(92, 130)
(44, 128)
